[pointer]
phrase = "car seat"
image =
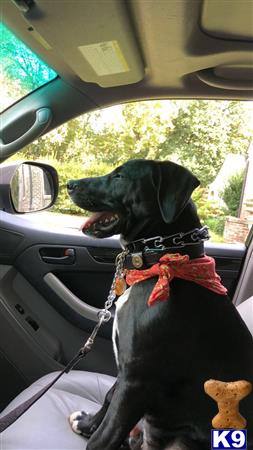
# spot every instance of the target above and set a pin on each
(45, 425)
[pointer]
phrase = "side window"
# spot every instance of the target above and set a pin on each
(211, 138)
(22, 71)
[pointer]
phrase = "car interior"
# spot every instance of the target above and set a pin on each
(53, 281)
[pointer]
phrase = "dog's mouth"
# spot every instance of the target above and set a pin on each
(101, 224)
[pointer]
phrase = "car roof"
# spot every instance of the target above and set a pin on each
(112, 51)
(156, 48)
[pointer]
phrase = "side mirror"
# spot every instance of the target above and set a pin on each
(27, 187)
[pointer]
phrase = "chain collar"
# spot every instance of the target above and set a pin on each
(143, 253)
(178, 240)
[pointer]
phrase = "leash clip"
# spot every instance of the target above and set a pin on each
(104, 315)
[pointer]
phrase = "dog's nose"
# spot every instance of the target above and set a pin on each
(71, 186)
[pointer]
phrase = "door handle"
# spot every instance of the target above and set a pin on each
(75, 303)
(42, 120)
(61, 256)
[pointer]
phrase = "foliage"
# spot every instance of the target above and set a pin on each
(214, 237)
(231, 194)
(90, 145)
(216, 224)
(19, 63)
(206, 209)
(209, 212)
(204, 132)
(21, 70)
(198, 134)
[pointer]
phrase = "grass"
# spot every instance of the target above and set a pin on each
(214, 237)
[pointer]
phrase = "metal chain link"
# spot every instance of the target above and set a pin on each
(119, 273)
(177, 240)
(104, 314)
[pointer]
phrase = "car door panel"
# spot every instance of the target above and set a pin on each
(244, 288)
(40, 334)
(94, 280)
(35, 351)
(229, 259)
(43, 329)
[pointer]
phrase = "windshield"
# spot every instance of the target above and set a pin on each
(22, 71)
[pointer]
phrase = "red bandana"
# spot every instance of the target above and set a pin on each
(199, 270)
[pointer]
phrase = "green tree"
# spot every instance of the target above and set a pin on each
(144, 129)
(10, 91)
(231, 195)
(87, 139)
(204, 132)
(20, 64)
(197, 134)
(138, 134)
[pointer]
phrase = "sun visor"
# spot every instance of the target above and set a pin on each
(228, 19)
(98, 41)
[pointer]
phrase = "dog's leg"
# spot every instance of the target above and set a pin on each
(86, 424)
(123, 413)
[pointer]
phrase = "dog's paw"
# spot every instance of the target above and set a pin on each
(74, 419)
(81, 423)
(135, 443)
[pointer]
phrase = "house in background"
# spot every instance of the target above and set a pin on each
(246, 207)
(232, 165)
(237, 228)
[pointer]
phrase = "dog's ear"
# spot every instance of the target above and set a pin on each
(175, 185)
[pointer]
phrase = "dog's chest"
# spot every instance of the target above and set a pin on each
(115, 330)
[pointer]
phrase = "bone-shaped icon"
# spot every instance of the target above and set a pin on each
(228, 396)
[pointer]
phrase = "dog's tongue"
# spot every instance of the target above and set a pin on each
(93, 219)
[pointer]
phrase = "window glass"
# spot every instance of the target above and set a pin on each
(22, 71)
(211, 138)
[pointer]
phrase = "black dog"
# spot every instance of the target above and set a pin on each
(167, 351)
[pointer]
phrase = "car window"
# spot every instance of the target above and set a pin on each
(211, 138)
(22, 71)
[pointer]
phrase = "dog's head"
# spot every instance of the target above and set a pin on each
(135, 193)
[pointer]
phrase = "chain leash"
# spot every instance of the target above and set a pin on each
(104, 314)
(119, 273)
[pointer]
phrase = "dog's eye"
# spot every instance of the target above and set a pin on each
(117, 175)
